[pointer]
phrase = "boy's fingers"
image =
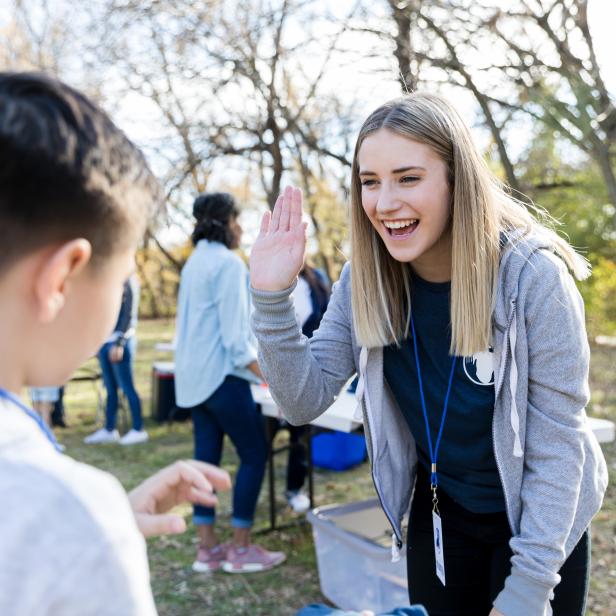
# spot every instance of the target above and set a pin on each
(202, 498)
(185, 476)
(177, 481)
(217, 477)
(163, 524)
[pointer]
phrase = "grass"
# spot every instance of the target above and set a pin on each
(179, 591)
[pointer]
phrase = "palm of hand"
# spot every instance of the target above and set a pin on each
(277, 255)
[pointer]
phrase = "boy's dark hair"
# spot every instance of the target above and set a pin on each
(214, 213)
(66, 171)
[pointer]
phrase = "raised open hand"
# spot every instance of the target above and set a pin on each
(278, 254)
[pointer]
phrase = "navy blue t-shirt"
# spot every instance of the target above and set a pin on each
(466, 466)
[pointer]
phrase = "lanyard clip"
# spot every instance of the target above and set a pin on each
(434, 499)
(433, 486)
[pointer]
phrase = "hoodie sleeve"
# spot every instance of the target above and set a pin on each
(304, 375)
(550, 312)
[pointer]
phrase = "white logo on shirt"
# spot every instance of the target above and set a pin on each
(479, 368)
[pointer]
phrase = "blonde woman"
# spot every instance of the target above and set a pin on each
(459, 315)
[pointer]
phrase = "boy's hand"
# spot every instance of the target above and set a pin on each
(182, 481)
(116, 353)
(277, 256)
(495, 612)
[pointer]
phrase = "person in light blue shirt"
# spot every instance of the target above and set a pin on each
(215, 360)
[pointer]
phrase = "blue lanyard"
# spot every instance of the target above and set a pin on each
(433, 452)
(33, 415)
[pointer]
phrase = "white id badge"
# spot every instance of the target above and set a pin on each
(439, 555)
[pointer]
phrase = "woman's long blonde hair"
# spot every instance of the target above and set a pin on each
(481, 211)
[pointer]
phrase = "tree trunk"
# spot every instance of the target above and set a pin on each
(277, 166)
(602, 155)
(154, 308)
(402, 41)
(512, 181)
(456, 64)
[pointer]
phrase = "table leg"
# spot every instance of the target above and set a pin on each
(154, 396)
(308, 437)
(271, 433)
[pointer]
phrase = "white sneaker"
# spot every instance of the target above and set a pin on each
(102, 436)
(133, 437)
(298, 501)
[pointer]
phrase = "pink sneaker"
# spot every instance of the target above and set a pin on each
(212, 559)
(251, 559)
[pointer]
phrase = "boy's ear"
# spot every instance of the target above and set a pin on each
(53, 278)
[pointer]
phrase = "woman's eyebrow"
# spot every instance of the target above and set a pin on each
(399, 170)
(410, 168)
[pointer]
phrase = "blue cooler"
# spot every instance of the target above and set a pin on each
(338, 451)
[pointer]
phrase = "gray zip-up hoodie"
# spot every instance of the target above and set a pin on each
(550, 464)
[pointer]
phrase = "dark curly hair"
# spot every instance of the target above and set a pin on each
(214, 213)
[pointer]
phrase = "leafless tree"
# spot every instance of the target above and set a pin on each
(534, 58)
(227, 80)
(552, 61)
(425, 36)
(231, 85)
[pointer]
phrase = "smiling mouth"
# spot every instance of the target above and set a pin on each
(400, 229)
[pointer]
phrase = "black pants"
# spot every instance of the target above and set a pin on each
(477, 560)
(297, 461)
(57, 414)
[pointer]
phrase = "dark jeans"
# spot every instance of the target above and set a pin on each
(297, 464)
(120, 374)
(477, 560)
(231, 410)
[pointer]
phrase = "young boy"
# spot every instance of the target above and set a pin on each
(74, 198)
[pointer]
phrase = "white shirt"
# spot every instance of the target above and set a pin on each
(302, 301)
(69, 542)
